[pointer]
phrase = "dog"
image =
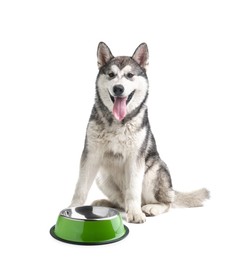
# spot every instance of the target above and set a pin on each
(120, 150)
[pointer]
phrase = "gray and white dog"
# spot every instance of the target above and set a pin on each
(120, 148)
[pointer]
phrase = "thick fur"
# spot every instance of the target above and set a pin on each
(120, 148)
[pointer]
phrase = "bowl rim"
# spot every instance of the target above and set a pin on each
(71, 213)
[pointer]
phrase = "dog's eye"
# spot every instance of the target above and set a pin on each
(129, 75)
(111, 75)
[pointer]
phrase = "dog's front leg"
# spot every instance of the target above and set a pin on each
(89, 167)
(134, 173)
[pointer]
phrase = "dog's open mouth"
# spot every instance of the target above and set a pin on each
(119, 105)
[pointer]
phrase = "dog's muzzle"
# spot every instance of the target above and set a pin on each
(127, 100)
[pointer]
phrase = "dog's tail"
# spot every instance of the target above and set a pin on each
(190, 199)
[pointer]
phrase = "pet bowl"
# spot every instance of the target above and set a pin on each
(89, 225)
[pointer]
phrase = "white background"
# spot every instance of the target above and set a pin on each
(198, 108)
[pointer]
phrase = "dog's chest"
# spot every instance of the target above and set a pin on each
(118, 139)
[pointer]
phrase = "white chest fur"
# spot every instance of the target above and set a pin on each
(120, 139)
(116, 139)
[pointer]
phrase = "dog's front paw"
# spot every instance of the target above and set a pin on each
(136, 217)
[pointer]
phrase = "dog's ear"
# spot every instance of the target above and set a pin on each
(141, 55)
(104, 54)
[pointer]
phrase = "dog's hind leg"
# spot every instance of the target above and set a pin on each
(160, 202)
(158, 194)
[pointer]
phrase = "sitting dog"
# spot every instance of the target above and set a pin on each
(120, 149)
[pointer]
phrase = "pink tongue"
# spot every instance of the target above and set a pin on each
(119, 108)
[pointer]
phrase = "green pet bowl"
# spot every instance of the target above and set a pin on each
(89, 225)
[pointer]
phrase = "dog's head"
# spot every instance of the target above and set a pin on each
(122, 82)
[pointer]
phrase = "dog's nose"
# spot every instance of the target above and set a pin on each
(118, 90)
